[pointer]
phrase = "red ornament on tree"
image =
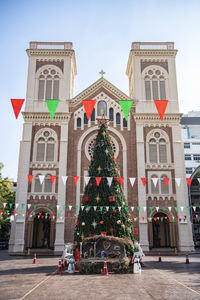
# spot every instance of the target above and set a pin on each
(115, 211)
(104, 233)
(85, 199)
(111, 230)
(90, 234)
(111, 198)
(101, 222)
(92, 159)
(113, 159)
(90, 184)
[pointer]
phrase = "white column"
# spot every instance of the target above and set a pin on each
(185, 238)
(16, 243)
(60, 224)
(143, 225)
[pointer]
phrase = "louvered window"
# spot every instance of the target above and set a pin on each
(40, 150)
(48, 89)
(50, 150)
(47, 184)
(155, 89)
(162, 90)
(41, 89)
(147, 90)
(164, 188)
(154, 188)
(38, 186)
(56, 89)
(162, 151)
(153, 151)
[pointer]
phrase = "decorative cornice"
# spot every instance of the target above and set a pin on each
(44, 118)
(155, 117)
(154, 52)
(102, 82)
(44, 165)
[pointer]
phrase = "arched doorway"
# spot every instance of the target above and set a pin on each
(161, 231)
(41, 231)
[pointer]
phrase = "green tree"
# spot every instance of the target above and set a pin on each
(104, 207)
(7, 200)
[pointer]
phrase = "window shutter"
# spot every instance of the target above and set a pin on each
(162, 153)
(78, 122)
(56, 89)
(47, 185)
(50, 152)
(153, 153)
(48, 89)
(41, 90)
(38, 186)
(162, 90)
(40, 152)
(155, 90)
(147, 90)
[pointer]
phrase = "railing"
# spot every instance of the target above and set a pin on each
(153, 45)
(50, 45)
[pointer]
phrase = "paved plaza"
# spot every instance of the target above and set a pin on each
(171, 279)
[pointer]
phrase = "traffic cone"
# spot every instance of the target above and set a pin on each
(159, 258)
(34, 259)
(105, 269)
(59, 271)
(187, 259)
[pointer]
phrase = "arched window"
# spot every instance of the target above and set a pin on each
(102, 108)
(78, 122)
(118, 118)
(162, 151)
(164, 187)
(153, 151)
(154, 184)
(93, 115)
(85, 119)
(45, 187)
(37, 186)
(47, 184)
(45, 146)
(48, 87)
(111, 114)
(125, 124)
(157, 148)
(155, 85)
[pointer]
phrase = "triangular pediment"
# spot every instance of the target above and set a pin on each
(101, 85)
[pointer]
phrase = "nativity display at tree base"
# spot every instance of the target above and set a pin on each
(94, 249)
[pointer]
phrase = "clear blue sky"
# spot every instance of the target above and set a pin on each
(102, 32)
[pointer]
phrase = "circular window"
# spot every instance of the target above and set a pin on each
(46, 133)
(46, 71)
(157, 135)
(53, 72)
(157, 72)
(150, 72)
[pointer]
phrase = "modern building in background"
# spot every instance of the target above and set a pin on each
(144, 146)
(190, 124)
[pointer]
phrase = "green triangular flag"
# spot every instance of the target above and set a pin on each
(52, 206)
(76, 207)
(138, 208)
(58, 214)
(113, 207)
(10, 205)
(88, 208)
(52, 105)
(33, 213)
(101, 208)
(188, 208)
(46, 214)
(126, 106)
(163, 208)
(176, 208)
(22, 205)
(64, 206)
(35, 205)
(149, 218)
(151, 207)
(126, 208)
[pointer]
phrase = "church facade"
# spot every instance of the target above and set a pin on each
(145, 147)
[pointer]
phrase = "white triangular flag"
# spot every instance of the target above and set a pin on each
(64, 179)
(170, 208)
(70, 207)
(86, 179)
(38, 216)
(132, 208)
(198, 180)
(107, 208)
(58, 206)
(158, 218)
(119, 208)
(155, 181)
(182, 208)
(95, 208)
(82, 207)
(29, 205)
(53, 217)
(45, 217)
(194, 208)
(145, 208)
(4, 205)
(178, 181)
(134, 219)
(109, 179)
(132, 180)
(157, 208)
(16, 205)
(41, 178)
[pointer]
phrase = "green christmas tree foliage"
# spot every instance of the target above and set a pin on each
(104, 208)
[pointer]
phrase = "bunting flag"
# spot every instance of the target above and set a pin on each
(119, 208)
(166, 180)
(189, 181)
(109, 179)
(17, 105)
(64, 179)
(120, 180)
(52, 178)
(82, 207)
(132, 180)
(4, 204)
(182, 208)
(41, 178)
(132, 208)
(161, 107)
(126, 106)
(144, 208)
(157, 208)
(86, 179)
(198, 179)
(144, 180)
(178, 181)
(70, 207)
(95, 208)
(155, 181)
(88, 106)
(169, 208)
(29, 206)
(194, 208)
(75, 179)
(58, 206)
(98, 180)
(52, 106)
(30, 177)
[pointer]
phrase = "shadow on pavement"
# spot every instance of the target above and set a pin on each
(48, 270)
(176, 267)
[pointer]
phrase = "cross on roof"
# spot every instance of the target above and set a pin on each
(102, 72)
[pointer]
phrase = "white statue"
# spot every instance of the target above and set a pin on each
(71, 267)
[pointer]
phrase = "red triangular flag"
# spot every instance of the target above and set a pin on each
(75, 179)
(30, 177)
(98, 179)
(143, 179)
(89, 106)
(166, 180)
(17, 105)
(120, 180)
(161, 107)
(189, 181)
(52, 179)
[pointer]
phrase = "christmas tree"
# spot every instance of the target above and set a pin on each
(104, 208)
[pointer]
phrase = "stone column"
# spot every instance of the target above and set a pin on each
(143, 225)
(60, 224)
(16, 243)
